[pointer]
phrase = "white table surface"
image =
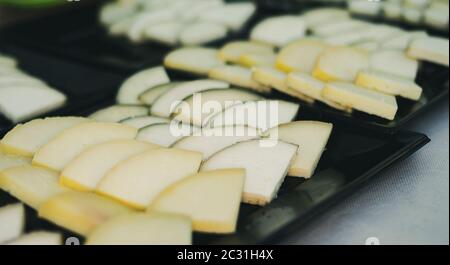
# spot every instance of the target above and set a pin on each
(407, 204)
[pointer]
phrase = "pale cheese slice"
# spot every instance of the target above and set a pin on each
(238, 76)
(195, 60)
(389, 84)
(432, 49)
(365, 100)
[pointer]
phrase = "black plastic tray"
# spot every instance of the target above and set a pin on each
(352, 158)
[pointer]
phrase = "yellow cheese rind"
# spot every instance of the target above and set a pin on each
(211, 199)
(271, 77)
(389, 84)
(80, 212)
(311, 87)
(340, 64)
(365, 100)
(238, 76)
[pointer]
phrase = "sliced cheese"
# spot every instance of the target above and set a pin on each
(87, 169)
(80, 212)
(138, 180)
(279, 30)
(431, 49)
(136, 84)
(211, 199)
(195, 60)
(26, 139)
(117, 113)
(394, 62)
(232, 51)
(143, 121)
(389, 84)
(311, 138)
(238, 76)
(271, 77)
(365, 100)
(300, 56)
(340, 64)
(12, 218)
(311, 87)
(57, 153)
(257, 59)
(199, 33)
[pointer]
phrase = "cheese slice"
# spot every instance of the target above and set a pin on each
(86, 170)
(26, 139)
(238, 76)
(143, 121)
(431, 49)
(144, 19)
(39, 238)
(199, 33)
(265, 172)
(143, 229)
(338, 27)
(365, 8)
(30, 185)
(22, 103)
(131, 88)
(12, 218)
(149, 96)
(393, 10)
(80, 212)
(233, 15)
(60, 151)
(117, 113)
(232, 51)
(311, 138)
(279, 30)
(138, 180)
(389, 84)
(165, 32)
(195, 60)
(300, 56)
(165, 134)
(401, 41)
(412, 15)
(437, 16)
(271, 77)
(8, 161)
(394, 62)
(340, 64)
(250, 60)
(365, 100)
(325, 15)
(311, 87)
(211, 199)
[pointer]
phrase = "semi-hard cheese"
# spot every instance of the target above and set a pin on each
(365, 100)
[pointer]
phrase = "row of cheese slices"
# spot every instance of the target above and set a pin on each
(173, 22)
(95, 176)
(344, 77)
(432, 13)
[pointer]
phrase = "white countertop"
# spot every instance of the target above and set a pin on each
(407, 204)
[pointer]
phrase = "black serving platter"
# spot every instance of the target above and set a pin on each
(353, 157)
(85, 86)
